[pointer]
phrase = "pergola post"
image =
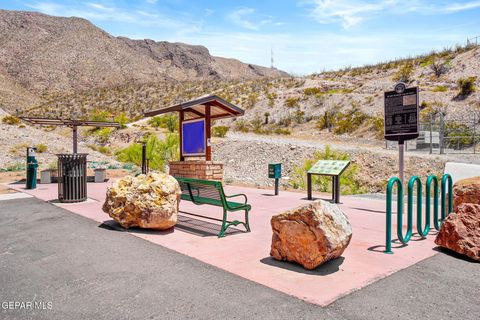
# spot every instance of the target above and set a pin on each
(75, 139)
(181, 117)
(208, 120)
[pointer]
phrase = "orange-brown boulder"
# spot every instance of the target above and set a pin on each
(460, 231)
(466, 191)
(310, 235)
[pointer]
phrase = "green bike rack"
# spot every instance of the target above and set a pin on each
(422, 230)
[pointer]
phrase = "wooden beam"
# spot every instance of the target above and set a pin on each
(181, 117)
(208, 129)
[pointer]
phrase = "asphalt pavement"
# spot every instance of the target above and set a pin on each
(55, 264)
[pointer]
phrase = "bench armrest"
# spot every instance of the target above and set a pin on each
(238, 195)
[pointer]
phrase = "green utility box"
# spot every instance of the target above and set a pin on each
(275, 170)
(32, 166)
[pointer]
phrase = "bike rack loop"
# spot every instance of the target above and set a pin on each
(423, 232)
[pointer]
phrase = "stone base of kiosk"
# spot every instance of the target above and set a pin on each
(197, 169)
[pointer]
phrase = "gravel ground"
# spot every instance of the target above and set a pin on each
(247, 156)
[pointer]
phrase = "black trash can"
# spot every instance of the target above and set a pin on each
(72, 177)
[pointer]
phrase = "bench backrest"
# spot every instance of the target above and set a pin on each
(196, 189)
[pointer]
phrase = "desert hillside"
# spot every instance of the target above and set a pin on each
(41, 53)
(343, 102)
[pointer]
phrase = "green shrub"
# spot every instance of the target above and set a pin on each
(466, 86)
(439, 68)
(167, 121)
(312, 91)
(285, 121)
(41, 148)
(349, 182)
(12, 120)
(220, 131)
(122, 119)
(271, 99)
(292, 102)
(103, 134)
(242, 126)
(299, 116)
(378, 125)
(349, 121)
(327, 120)
(158, 152)
(19, 166)
(404, 73)
(100, 115)
(458, 135)
(257, 125)
(440, 89)
(282, 131)
(102, 149)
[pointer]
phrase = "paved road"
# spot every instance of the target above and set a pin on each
(51, 255)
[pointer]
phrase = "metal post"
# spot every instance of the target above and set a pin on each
(309, 186)
(442, 133)
(337, 189)
(401, 160)
(431, 134)
(144, 158)
(276, 186)
(474, 133)
(75, 138)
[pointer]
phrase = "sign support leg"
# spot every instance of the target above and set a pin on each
(144, 158)
(309, 186)
(337, 189)
(276, 186)
(401, 160)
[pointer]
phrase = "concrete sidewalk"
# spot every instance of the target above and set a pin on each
(49, 254)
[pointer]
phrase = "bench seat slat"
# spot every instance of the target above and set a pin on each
(213, 202)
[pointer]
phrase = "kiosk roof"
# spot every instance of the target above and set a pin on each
(196, 109)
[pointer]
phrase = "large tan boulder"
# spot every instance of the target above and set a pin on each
(466, 191)
(145, 201)
(460, 231)
(311, 234)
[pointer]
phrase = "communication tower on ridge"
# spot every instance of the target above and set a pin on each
(271, 59)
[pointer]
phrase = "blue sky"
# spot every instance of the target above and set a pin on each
(306, 35)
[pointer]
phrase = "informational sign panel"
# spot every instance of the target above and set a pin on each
(329, 167)
(193, 138)
(401, 113)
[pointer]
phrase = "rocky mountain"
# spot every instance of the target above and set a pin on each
(41, 53)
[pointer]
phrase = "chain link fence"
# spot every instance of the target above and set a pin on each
(441, 135)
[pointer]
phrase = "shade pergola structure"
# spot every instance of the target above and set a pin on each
(72, 123)
(209, 108)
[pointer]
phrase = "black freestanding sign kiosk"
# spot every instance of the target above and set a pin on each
(401, 117)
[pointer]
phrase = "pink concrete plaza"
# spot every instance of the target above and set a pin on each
(247, 254)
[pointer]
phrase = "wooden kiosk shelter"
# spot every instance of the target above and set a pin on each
(195, 124)
(72, 123)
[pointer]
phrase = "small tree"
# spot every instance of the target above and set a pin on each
(466, 86)
(266, 114)
(438, 68)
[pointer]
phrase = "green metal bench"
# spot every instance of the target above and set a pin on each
(211, 193)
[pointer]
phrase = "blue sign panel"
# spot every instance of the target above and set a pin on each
(193, 138)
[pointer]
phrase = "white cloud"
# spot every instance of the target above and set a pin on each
(208, 12)
(152, 1)
(457, 7)
(239, 17)
(247, 18)
(348, 12)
